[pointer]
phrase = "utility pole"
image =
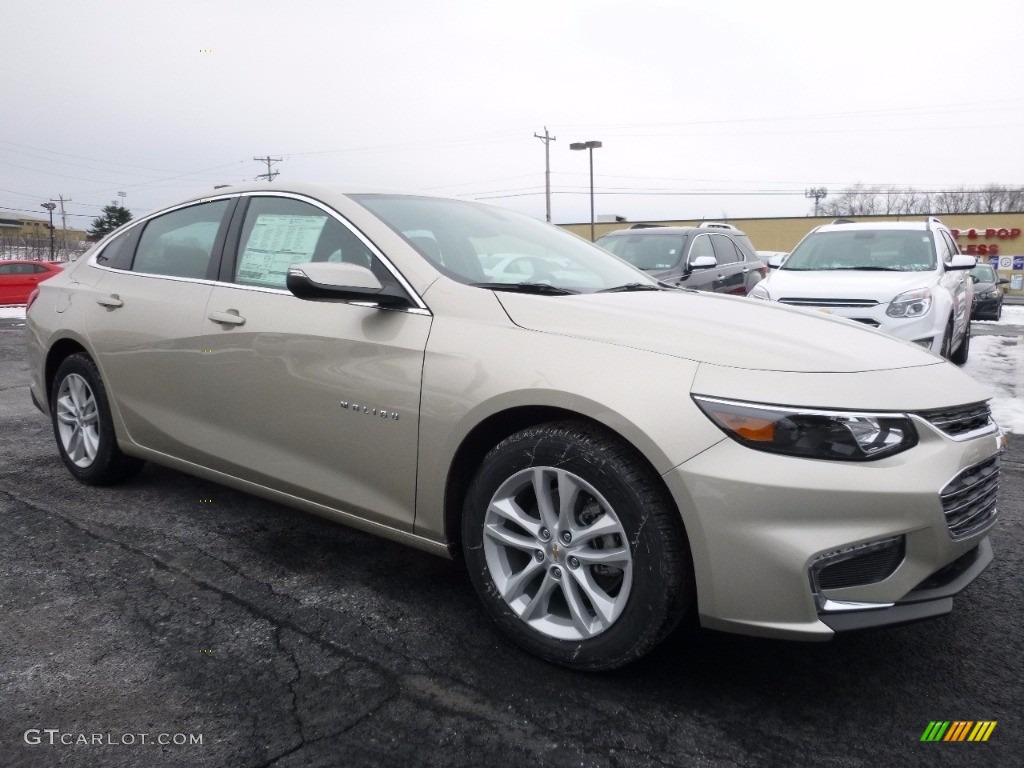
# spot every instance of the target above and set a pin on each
(818, 193)
(50, 207)
(270, 174)
(63, 223)
(547, 167)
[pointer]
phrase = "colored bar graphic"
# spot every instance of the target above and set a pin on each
(958, 730)
(935, 731)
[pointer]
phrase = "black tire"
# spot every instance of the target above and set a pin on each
(82, 426)
(644, 581)
(960, 356)
(947, 339)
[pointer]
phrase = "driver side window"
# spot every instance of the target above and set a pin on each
(279, 232)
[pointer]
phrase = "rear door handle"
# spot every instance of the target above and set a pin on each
(231, 317)
(113, 301)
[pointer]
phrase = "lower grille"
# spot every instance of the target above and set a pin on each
(867, 321)
(874, 564)
(969, 500)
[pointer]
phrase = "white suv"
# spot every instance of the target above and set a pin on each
(905, 278)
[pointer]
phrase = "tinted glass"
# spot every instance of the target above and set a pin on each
(701, 247)
(725, 250)
(279, 232)
(646, 251)
(180, 243)
(116, 254)
(984, 273)
(864, 249)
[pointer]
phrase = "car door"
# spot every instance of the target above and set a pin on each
(144, 318)
(318, 399)
(730, 277)
(957, 283)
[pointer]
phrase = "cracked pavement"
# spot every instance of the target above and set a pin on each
(171, 605)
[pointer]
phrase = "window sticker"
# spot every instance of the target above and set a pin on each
(276, 242)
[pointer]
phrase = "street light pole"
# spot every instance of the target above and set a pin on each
(590, 146)
(50, 207)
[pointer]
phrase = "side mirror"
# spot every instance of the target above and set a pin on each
(774, 262)
(961, 262)
(703, 262)
(1003, 281)
(974, 279)
(331, 281)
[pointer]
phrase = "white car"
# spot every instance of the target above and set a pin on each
(905, 278)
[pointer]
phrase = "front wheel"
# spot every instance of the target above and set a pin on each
(574, 547)
(959, 357)
(82, 424)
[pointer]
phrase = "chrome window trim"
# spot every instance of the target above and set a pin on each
(421, 307)
(420, 304)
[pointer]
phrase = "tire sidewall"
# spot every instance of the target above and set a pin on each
(99, 471)
(639, 625)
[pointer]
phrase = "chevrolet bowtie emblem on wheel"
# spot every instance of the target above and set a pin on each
(555, 551)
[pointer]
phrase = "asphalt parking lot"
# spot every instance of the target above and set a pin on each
(173, 622)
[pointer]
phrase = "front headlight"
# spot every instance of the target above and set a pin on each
(759, 292)
(809, 433)
(911, 304)
(988, 294)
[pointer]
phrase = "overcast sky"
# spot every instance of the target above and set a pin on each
(730, 108)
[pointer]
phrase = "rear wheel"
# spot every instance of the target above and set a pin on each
(574, 547)
(82, 424)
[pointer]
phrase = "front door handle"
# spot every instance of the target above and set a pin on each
(113, 301)
(231, 317)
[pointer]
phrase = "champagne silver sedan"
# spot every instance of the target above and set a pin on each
(606, 454)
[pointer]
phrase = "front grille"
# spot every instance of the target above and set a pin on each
(850, 303)
(969, 500)
(877, 563)
(960, 421)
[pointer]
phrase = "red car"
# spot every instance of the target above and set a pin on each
(19, 278)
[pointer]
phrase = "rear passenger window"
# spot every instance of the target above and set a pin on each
(279, 232)
(181, 243)
(725, 250)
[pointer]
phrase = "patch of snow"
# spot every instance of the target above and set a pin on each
(997, 362)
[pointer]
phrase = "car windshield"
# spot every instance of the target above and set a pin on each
(493, 248)
(983, 273)
(647, 251)
(864, 249)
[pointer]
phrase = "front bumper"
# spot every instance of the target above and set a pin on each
(758, 523)
(986, 308)
(931, 598)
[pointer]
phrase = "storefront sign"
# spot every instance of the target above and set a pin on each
(989, 233)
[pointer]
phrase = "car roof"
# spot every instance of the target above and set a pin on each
(916, 226)
(650, 230)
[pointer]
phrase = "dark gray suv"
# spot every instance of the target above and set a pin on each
(712, 257)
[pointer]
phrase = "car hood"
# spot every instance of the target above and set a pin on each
(720, 330)
(882, 287)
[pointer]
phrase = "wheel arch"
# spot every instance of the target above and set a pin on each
(59, 351)
(495, 428)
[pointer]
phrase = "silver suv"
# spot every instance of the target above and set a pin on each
(905, 278)
(712, 257)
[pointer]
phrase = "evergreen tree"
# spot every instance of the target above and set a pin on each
(113, 217)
